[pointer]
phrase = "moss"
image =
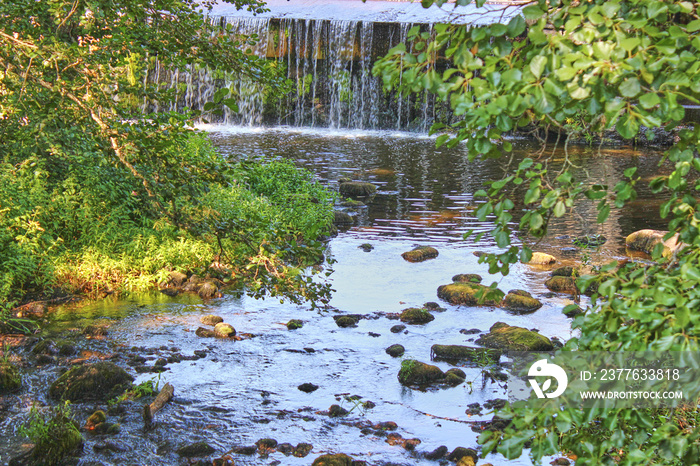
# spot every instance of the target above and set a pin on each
(205, 333)
(208, 290)
(342, 218)
(414, 372)
(211, 319)
(453, 379)
(10, 378)
(62, 438)
(420, 254)
(395, 351)
(345, 321)
(366, 247)
(565, 271)
(268, 443)
(503, 336)
(337, 411)
(416, 316)
(541, 258)
(339, 459)
(464, 353)
(97, 417)
(223, 330)
(466, 293)
(101, 381)
(521, 301)
(562, 284)
(195, 450)
(357, 189)
(467, 278)
(294, 324)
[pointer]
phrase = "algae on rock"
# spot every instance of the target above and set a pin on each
(505, 337)
(101, 381)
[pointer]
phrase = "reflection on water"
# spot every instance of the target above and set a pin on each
(247, 390)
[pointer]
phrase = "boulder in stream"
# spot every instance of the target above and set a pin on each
(101, 381)
(508, 338)
(223, 330)
(521, 301)
(467, 278)
(420, 254)
(561, 284)
(646, 241)
(466, 293)
(542, 258)
(211, 319)
(464, 353)
(195, 450)
(338, 459)
(414, 372)
(395, 351)
(356, 189)
(416, 316)
(342, 218)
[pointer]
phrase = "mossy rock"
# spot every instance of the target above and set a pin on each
(366, 247)
(342, 218)
(420, 254)
(351, 203)
(356, 189)
(395, 351)
(414, 372)
(339, 459)
(208, 290)
(294, 324)
(504, 337)
(337, 411)
(177, 279)
(195, 450)
(61, 440)
(101, 381)
(211, 319)
(561, 284)
(416, 316)
(223, 330)
(465, 293)
(453, 379)
(565, 271)
(205, 333)
(464, 353)
(589, 241)
(349, 320)
(542, 258)
(467, 278)
(646, 241)
(521, 301)
(10, 377)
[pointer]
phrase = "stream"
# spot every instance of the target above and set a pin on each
(243, 391)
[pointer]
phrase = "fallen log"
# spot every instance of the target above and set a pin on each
(165, 395)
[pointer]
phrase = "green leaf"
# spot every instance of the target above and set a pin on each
(649, 100)
(630, 87)
(532, 12)
(537, 65)
(603, 214)
(559, 209)
(516, 26)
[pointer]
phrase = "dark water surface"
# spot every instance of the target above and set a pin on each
(243, 391)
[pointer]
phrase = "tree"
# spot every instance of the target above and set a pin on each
(85, 170)
(625, 66)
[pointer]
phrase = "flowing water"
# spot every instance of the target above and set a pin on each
(246, 390)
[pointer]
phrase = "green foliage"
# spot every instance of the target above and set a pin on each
(149, 387)
(54, 433)
(602, 66)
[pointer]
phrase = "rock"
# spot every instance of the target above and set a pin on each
(646, 241)
(66, 349)
(420, 254)
(195, 450)
(356, 189)
(35, 310)
(308, 387)
(503, 336)
(461, 452)
(337, 411)
(45, 347)
(170, 291)
(366, 247)
(193, 284)
(521, 301)
(294, 324)
(245, 450)
(211, 319)
(223, 330)
(395, 351)
(471, 331)
(10, 378)
(416, 316)
(351, 203)
(345, 321)
(414, 372)
(95, 331)
(453, 379)
(177, 279)
(437, 454)
(465, 353)
(561, 284)
(397, 328)
(467, 278)
(62, 439)
(541, 258)
(589, 241)
(98, 417)
(208, 290)
(266, 443)
(339, 459)
(560, 462)
(565, 271)
(302, 449)
(205, 333)
(433, 307)
(101, 381)
(465, 293)
(466, 461)
(44, 359)
(342, 218)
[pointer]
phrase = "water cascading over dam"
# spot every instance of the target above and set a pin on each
(327, 50)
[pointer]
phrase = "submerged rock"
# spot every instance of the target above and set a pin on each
(208, 290)
(414, 372)
(211, 319)
(465, 353)
(195, 450)
(416, 316)
(395, 351)
(302, 449)
(356, 189)
(342, 218)
(101, 381)
(465, 293)
(521, 301)
(646, 241)
(420, 254)
(565, 271)
(397, 328)
(561, 284)
(541, 258)
(10, 378)
(505, 337)
(461, 452)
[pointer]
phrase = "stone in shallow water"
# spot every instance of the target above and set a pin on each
(420, 254)
(357, 189)
(101, 381)
(195, 450)
(541, 258)
(308, 387)
(464, 353)
(416, 316)
(561, 284)
(211, 319)
(521, 301)
(339, 459)
(466, 293)
(505, 337)
(414, 372)
(395, 351)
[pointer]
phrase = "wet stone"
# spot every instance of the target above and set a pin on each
(205, 333)
(395, 351)
(285, 448)
(416, 316)
(460, 452)
(420, 254)
(194, 450)
(397, 328)
(337, 411)
(302, 449)
(346, 321)
(433, 307)
(295, 324)
(245, 450)
(467, 278)
(439, 453)
(339, 459)
(211, 320)
(471, 331)
(308, 387)
(266, 443)
(366, 247)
